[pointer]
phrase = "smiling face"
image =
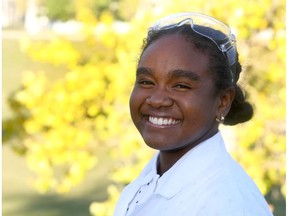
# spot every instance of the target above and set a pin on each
(174, 102)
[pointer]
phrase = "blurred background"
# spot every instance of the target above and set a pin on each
(68, 68)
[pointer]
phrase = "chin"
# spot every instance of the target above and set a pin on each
(163, 146)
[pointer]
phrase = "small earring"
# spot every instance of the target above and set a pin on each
(221, 120)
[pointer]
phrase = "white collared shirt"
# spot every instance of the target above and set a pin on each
(206, 181)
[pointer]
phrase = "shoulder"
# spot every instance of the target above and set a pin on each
(224, 199)
(224, 188)
(231, 191)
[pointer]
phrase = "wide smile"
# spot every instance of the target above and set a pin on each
(160, 121)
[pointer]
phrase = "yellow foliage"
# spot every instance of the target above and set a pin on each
(57, 52)
(104, 209)
(84, 13)
(34, 85)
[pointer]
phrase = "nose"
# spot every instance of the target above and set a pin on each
(159, 99)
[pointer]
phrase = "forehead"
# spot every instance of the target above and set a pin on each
(172, 52)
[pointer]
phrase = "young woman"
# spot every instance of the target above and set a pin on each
(186, 85)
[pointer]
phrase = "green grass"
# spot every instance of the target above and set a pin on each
(18, 196)
(20, 199)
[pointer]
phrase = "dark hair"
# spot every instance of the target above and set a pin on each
(241, 110)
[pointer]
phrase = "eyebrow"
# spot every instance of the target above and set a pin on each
(179, 73)
(143, 71)
(176, 73)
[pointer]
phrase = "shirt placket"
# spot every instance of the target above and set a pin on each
(142, 195)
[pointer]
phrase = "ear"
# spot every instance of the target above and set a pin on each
(226, 98)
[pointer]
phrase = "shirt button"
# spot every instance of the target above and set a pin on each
(139, 191)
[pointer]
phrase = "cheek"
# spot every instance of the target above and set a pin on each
(136, 98)
(199, 111)
(132, 101)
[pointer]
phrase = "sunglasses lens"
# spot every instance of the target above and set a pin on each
(202, 24)
(215, 35)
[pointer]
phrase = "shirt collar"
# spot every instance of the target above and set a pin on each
(188, 168)
(150, 171)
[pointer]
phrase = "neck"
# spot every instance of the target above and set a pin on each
(168, 158)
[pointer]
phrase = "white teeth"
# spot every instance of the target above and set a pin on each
(165, 121)
(162, 121)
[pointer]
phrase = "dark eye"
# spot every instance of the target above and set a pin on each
(145, 83)
(182, 86)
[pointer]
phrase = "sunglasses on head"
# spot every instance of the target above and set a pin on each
(208, 27)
